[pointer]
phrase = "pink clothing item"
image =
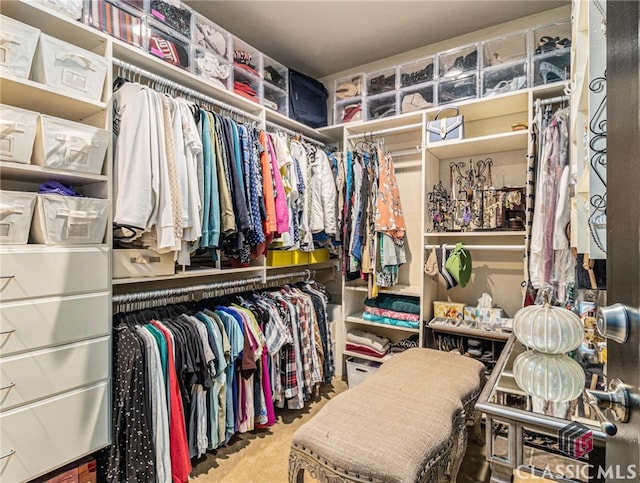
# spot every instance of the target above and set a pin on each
(282, 212)
(363, 349)
(266, 389)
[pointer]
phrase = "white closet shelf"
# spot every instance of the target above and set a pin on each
(491, 107)
(410, 290)
(57, 25)
(473, 234)
(32, 172)
(549, 90)
(194, 273)
(361, 321)
(366, 357)
(37, 97)
(493, 143)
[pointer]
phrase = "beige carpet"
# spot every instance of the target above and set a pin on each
(262, 456)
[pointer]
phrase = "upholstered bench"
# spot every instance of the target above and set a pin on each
(404, 423)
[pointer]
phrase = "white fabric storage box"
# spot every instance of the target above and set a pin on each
(358, 369)
(72, 69)
(18, 43)
(132, 263)
(17, 133)
(16, 210)
(70, 145)
(59, 220)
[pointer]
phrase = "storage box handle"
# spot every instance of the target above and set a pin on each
(87, 144)
(10, 127)
(144, 259)
(80, 59)
(81, 215)
(7, 38)
(7, 209)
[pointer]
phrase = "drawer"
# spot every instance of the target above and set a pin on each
(35, 324)
(41, 272)
(42, 436)
(25, 378)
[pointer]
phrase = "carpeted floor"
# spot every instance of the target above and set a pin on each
(262, 456)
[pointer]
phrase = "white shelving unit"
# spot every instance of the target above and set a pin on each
(55, 321)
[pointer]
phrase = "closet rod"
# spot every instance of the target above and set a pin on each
(553, 100)
(186, 90)
(208, 287)
(398, 129)
(294, 134)
(502, 248)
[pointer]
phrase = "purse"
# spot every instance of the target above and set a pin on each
(445, 128)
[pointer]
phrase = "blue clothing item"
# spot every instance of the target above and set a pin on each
(256, 236)
(207, 167)
(162, 348)
(214, 210)
(389, 321)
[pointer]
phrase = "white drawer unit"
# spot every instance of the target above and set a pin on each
(63, 220)
(71, 69)
(18, 43)
(64, 144)
(17, 133)
(47, 434)
(26, 378)
(40, 272)
(35, 324)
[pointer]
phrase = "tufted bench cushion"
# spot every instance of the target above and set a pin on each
(402, 424)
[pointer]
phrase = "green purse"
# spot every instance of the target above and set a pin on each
(459, 264)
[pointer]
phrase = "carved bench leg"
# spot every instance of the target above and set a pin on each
(296, 470)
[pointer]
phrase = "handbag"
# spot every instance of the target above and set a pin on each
(445, 128)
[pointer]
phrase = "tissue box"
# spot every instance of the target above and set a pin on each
(449, 310)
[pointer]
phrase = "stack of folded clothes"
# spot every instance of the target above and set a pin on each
(399, 310)
(245, 90)
(366, 343)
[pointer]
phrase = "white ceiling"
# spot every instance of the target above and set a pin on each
(321, 38)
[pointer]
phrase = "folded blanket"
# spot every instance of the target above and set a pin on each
(390, 321)
(362, 349)
(404, 344)
(367, 339)
(400, 303)
(393, 314)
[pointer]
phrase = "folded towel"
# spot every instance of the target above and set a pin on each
(390, 321)
(394, 314)
(361, 349)
(400, 303)
(367, 339)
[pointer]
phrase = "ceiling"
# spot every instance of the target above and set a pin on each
(321, 38)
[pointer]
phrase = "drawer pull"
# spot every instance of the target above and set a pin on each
(8, 386)
(5, 277)
(8, 331)
(7, 454)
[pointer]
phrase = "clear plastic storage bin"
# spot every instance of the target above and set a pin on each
(349, 87)
(417, 98)
(458, 89)
(172, 13)
(246, 84)
(348, 111)
(18, 132)
(505, 78)
(116, 19)
(456, 62)
(275, 99)
(209, 36)
(65, 144)
(62, 220)
(382, 81)
(383, 105)
(16, 210)
(69, 68)
(18, 47)
(169, 47)
(505, 49)
(551, 52)
(417, 72)
(246, 58)
(210, 66)
(274, 73)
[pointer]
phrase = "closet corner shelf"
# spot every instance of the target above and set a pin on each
(360, 321)
(298, 127)
(549, 90)
(468, 332)
(366, 357)
(472, 234)
(38, 97)
(32, 172)
(493, 143)
(410, 290)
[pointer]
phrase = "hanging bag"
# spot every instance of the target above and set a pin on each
(459, 265)
(445, 128)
